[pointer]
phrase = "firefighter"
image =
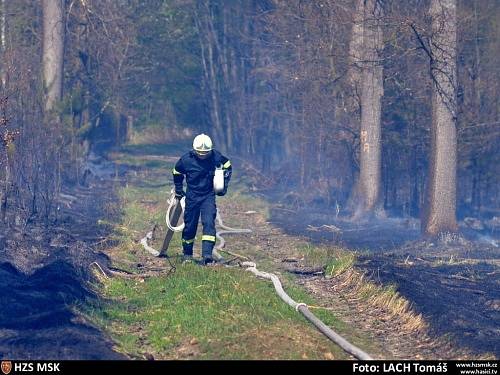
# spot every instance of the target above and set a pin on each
(198, 166)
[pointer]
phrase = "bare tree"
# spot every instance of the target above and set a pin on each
(53, 51)
(440, 215)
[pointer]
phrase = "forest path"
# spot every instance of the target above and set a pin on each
(384, 328)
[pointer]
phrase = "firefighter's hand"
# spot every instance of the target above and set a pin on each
(179, 194)
(222, 193)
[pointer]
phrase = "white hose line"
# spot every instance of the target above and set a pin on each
(149, 236)
(227, 230)
(302, 308)
(171, 204)
(144, 243)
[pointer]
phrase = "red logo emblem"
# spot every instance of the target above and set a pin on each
(6, 367)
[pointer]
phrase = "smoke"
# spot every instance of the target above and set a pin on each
(489, 240)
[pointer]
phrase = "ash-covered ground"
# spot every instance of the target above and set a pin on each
(44, 278)
(454, 281)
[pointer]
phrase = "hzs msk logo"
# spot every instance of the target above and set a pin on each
(6, 367)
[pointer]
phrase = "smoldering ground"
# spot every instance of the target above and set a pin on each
(452, 281)
(44, 279)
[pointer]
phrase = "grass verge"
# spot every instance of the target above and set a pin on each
(197, 312)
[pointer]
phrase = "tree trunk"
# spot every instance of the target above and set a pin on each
(53, 51)
(356, 44)
(441, 196)
(3, 22)
(367, 197)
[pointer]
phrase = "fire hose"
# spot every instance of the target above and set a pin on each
(252, 267)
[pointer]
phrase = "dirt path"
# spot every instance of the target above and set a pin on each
(43, 279)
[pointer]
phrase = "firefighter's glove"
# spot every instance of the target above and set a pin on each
(179, 194)
(223, 192)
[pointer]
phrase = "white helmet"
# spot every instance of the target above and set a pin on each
(202, 145)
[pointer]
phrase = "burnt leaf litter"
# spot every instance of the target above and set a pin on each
(44, 277)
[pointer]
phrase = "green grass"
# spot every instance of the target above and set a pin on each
(339, 264)
(197, 312)
(207, 304)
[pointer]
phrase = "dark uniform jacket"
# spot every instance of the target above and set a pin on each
(200, 172)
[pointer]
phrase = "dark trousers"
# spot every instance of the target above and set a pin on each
(197, 205)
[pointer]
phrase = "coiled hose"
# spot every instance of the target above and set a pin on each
(172, 201)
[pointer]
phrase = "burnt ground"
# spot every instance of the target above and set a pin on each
(454, 282)
(44, 279)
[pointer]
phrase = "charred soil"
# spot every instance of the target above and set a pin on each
(44, 279)
(453, 282)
